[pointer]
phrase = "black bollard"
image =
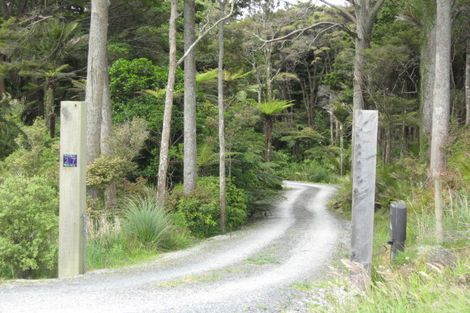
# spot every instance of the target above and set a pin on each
(397, 227)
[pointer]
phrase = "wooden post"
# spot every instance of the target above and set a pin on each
(72, 189)
(363, 194)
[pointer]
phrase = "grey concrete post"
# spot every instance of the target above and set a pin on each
(397, 227)
(363, 194)
(72, 192)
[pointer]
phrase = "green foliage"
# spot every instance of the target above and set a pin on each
(37, 154)
(28, 227)
(10, 109)
(273, 107)
(112, 250)
(143, 230)
(128, 138)
(395, 181)
(106, 170)
(459, 154)
(126, 141)
(308, 171)
(130, 77)
(144, 221)
(201, 207)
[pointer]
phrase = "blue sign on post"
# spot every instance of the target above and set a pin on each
(70, 160)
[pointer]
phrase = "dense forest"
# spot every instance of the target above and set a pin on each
(199, 109)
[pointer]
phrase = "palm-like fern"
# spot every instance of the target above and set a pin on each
(268, 110)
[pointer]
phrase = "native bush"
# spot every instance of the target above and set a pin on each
(144, 221)
(37, 154)
(28, 227)
(201, 208)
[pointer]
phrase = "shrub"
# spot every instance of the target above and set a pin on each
(37, 154)
(395, 181)
(28, 227)
(201, 208)
(144, 222)
(308, 170)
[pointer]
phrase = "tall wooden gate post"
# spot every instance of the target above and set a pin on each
(363, 194)
(72, 189)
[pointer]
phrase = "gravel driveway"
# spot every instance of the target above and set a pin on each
(257, 269)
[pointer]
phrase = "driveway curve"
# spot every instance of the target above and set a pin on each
(251, 270)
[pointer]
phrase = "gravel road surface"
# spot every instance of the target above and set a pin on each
(257, 269)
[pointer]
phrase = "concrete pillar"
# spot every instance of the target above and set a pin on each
(363, 194)
(72, 189)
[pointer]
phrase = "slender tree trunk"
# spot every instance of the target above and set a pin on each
(268, 134)
(165, 141)
(110, 193)
(341, 151)
(332, 136)
(48, 104)
(2, 79)
(428, 64)
(269, 69)
(364, 30)
(467, 82)
(441, 106)
(96, 75)
(220, 85)
(190, 146)
(388, 147)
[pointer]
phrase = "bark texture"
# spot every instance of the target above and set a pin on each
(428, 65)
(190, 146)
(165, 140)
(268, 137)
(441, 106)
(96, 75)
(110, 194)
(221, 105)
(467, 82)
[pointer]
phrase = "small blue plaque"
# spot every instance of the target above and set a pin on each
(70, 160)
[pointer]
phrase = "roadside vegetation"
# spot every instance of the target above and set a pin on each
(283, 80)
(428, 276)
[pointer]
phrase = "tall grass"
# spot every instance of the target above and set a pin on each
(144, 221)
(141, 231)
(412, 283)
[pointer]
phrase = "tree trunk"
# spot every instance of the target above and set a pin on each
(190, 146)
(332, 136)
(268, 134)
(428, 64)
(467, 82)
(441, 106)
(220, 85)
(110, 193)
(170, 88)
(48, 104)
(96, 75)
(2, 79)
(269, 69)
(364, 30)
(341, 150)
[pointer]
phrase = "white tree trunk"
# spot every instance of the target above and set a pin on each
(428, 64)
(190, 146)
(467, 82)
(220, 85)
(97, 67)
(110, 194)
(165, 140)
(441, 106)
